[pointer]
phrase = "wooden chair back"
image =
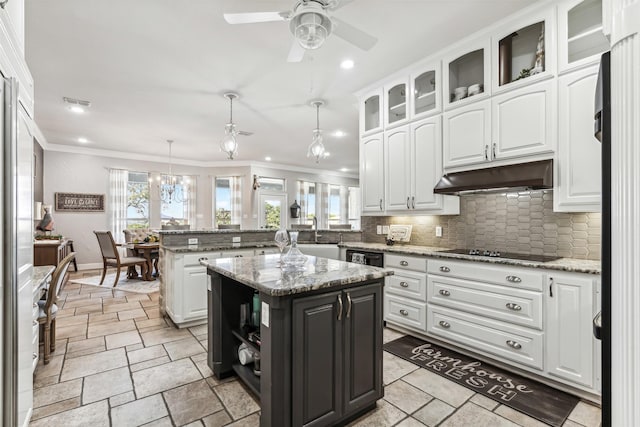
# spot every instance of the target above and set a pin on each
(107, 245)
(56, 282)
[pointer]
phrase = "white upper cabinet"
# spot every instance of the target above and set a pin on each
(467, 135)
(397, 158)
(580, 36)
(396, 102)
(426, 91)
(372, 173)
(466, 74)
(524, 51)
(371, 112)
(578, 167)
(523, 121)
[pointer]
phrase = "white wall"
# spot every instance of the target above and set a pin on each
(84, 173)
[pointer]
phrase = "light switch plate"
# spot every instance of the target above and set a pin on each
(236, 239)
(438, 231)
(193, 241)
(379, 229)
(385, 229)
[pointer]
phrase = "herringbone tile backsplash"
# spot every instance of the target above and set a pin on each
(512, 222)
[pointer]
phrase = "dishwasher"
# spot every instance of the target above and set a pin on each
(374, 259)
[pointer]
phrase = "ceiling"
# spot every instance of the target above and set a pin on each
(157, 69)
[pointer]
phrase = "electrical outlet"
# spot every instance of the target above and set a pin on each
(193, 241)
(438, 231)
(378, 229)
(385, 229)
(236, 239)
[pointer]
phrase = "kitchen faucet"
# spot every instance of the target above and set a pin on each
(315, 230)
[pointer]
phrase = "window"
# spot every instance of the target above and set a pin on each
(137, 200)
(334, 205)
(307, 196)
(272, 209)
(331, 203)
(353, 207)
(271, 184)
(228, 205)
(174, 201)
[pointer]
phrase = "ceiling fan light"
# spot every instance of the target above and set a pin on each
(316, 148)
(229, 145)
(311, 29)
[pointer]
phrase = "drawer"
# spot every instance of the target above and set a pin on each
(405, 262)
(520, 278)
(194, 258)
(35, 355)
(492, 337)
(407, 284)
(518, 306)
(406, 313)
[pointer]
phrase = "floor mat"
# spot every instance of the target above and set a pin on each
(535, 399)
(130, 285)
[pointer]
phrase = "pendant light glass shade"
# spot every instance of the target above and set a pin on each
(316, 148)
(311, 26)
(229, 144)
(170, 189)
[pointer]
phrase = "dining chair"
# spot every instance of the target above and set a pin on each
(138, 235)
(111, 257)
(48, 308)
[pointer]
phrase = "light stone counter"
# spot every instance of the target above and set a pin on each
(218, 247)
(563, 264)
(262, 273)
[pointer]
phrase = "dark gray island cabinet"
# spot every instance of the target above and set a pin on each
(319, 337)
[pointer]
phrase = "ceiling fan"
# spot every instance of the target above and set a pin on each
(310, 24)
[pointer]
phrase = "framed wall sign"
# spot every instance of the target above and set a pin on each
(78, 202)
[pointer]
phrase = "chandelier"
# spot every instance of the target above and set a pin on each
(229, 144)
(316, 148)
(172, 188)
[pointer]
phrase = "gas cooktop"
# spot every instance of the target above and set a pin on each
(498, 254)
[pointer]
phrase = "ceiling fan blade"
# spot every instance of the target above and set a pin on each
(296, 53)
(250, 18)
(353, 35)
(337, 4)
(244, 133)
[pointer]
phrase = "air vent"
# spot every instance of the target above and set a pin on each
(79, 102)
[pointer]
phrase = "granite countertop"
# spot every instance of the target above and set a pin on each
(262, 273)
(224, 246)
(260, 230)
(564, 264)
(40, 273)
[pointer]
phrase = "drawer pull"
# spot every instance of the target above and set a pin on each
(514, 279)
(445, 269)
(404, 312)
(404, 284)
(204, 258)
(514, 344)
(444, 324)
(239, 256)
(514, 307)
(444, 292)
(35, 356)
(404, 263)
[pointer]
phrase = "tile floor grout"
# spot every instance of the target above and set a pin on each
(188, 375)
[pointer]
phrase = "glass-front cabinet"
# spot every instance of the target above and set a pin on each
(425, 90)
(466, 74)
(580, 36)
(396, 102)
(371, 112)
(524, 51)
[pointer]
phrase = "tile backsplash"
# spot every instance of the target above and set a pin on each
(513, 222)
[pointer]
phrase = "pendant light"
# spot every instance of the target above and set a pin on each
(229, 144)
(169, 191)
(316, 148)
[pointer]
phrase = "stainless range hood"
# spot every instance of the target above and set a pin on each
(523, 176)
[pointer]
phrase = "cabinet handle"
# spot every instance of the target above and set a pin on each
(486, 152)
(239, 256)
(445, 269)
(35, 356)
(339, 307)
(404, 312)
(348, 305)
(35, 323)
(408, 205)
(413, 202)
(404, 263)
(513, 306)
(35, 304)
(513, 279)
(551, 287)
(444, 324)
(514, 344)
(380, 204)
(444, 292)
(204, 258)
(404, 284)
(493, 151)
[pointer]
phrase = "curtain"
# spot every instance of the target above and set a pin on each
(118, 202)
(191, 203)
(324, 206)
(302, 201)
(235, 185)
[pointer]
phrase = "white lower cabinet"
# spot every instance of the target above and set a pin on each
(405, 292)
(571, 345)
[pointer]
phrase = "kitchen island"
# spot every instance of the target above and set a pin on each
(319, 336)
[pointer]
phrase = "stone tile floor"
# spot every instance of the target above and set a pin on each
(119, 363)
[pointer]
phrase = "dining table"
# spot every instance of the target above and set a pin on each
(145, 250)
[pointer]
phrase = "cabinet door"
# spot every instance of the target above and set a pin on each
(371, 112)
(467, 132)
(581, 40)
(426, 91)
(318, 369)
(396, 102)
(578, 186)
(371, 173)
(363, 346)
(570, 340)
(467, 66)
(523, 121)
(194, 293)
(397, 160)
(426, 163)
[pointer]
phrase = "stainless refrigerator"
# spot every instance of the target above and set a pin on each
(16, 259)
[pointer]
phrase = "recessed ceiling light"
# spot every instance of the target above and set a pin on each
(76, 109)
(83, 140)
(339, 134)
(347, 64)
(327, 154)
(344, 170)
(76, 105)
(268, 159)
